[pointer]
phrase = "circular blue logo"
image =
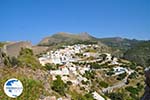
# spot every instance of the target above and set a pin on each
(13, 88)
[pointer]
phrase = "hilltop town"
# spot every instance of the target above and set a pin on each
(82, 66)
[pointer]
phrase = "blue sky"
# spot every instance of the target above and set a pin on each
(35, 19)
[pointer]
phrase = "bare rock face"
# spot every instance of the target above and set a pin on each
(146, 95)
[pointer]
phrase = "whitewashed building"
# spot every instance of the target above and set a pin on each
(97, 96)
(119, 70)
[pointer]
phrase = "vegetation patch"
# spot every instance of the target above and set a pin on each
(103, 84)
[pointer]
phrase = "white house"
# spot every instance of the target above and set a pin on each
(108, 57)
(75, 82)
(61, 71)
(80, 78)
(65, 71)
(72, 69)
(82, 70)
(44, 60)
(115, 61)
(90, 54)
(65, 78)
(59, 99)
(56, 72)
(56, 58)
(119, 70)
(97, 96)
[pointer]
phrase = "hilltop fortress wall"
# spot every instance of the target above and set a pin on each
(13, 49)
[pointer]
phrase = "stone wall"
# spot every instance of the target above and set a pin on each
(13, 49)
(39, 49)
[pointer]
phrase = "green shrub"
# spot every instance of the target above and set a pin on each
(84, 82)
(121, 76)
(135, 97)
(103, 84)
(49, 67)
(132, 90)
(89, 74)
(26, 51)
(14, 61)
(132, 75)
(110, 73)
(59, 86)
(139, 86)
(116, 96)
(26, 58)
(89, 96)
(97, 66)
(29, 61)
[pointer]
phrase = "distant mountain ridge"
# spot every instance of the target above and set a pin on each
(64, 37)
(120, 43)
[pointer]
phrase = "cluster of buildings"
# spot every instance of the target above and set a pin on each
(62, 56)
(67, 58)
(71, 72)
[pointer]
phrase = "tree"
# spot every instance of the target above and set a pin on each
(89, 74)
(97, 66)
(115, 96)
(7, 61)
(103, 84)
(121, 76)
(26, 51)
(133, 75)
(48, 66)
(89, 96)
(59, 86)
(111, 72)
(133, 66)
(14, 61)
(132, 90)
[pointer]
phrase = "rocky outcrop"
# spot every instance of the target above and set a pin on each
(146, 95)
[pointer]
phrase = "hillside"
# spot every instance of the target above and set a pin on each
(134, 50)
(120, 43)
(66, 38)
(139, 53)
